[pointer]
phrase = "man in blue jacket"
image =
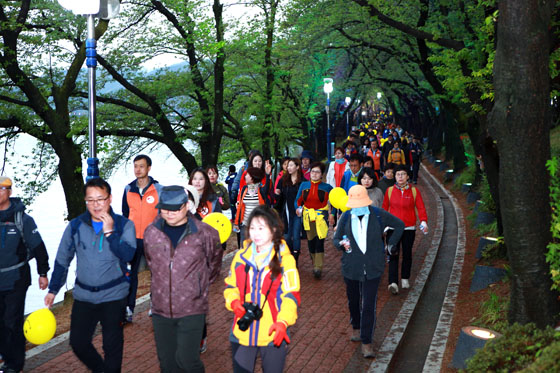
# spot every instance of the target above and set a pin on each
(103, 243)
(20, 241)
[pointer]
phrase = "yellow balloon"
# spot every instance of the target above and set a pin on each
(344, 202)
(367, 126)
(375, 132)
(362, 134)
(219, 222)
(336, 198)
(40, 326)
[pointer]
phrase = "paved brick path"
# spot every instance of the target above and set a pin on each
(320, 338)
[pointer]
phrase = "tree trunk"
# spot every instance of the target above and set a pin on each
(218, 128)
(522, 110)
(70, 172)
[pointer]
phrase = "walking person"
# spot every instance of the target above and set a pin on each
(220, 189)
(415, 151)
(139, 205)
(208, 200)
(185, 257)
(337, 168)
(388, 178)
(253, 194)
(312, 204)
(405, 202)
(360, 236)
(368, 179)
(20, 241)
(103, 242)
(286, 193)
(262, 290)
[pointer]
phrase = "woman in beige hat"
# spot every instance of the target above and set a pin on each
(360, 236)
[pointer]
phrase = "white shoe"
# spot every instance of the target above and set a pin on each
(405, 284)
(394, 288)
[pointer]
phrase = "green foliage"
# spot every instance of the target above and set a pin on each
(547, 360)
(553, 255)
(517, 348)
(495, 251)
(486, 197)
(555, 142)
(493, 313)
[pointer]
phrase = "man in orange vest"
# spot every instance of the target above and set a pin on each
(139, 205)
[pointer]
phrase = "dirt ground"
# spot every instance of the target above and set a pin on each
(468, 304)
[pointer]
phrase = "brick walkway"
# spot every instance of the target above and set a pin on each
(320, 337)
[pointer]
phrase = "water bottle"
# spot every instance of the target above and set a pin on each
(345, 241)
(424, 227)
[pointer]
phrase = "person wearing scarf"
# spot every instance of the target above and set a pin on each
(359, 235)
(405, 202)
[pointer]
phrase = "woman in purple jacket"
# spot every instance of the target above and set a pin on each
(184, 256)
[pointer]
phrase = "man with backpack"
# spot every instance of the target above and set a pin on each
(103, 242)
(20, 242)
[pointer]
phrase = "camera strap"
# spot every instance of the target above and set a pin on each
(245, 286)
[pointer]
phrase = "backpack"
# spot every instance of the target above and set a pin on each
(18, 221)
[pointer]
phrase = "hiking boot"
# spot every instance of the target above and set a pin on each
(405, 284)
(367, 350)
(317, 273)
(394, 288)
(203, 345)
(129, 314)
(355, 335)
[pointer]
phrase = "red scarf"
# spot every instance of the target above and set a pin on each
(339, 172)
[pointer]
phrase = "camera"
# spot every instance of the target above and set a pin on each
(253, 312)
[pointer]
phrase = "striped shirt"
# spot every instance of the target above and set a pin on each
(251, 201)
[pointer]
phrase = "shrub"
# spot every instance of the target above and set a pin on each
(493, 313)
(553, 255)
(547, 361)
(516, 349)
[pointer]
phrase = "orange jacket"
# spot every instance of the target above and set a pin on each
(141, 209)
(263, 200)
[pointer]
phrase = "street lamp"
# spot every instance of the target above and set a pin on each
(105, 9)
(364, 113)
(328, 88)
(347, 100)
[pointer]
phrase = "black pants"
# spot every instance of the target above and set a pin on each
(85, 317)
(135, 265)
(244, 358)
(415, 169)
(178, 343)
(316, 245)
(12, 341)
(362, 303)
(406, 242)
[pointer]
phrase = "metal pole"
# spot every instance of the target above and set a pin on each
(91, 63)
(328, 129)
(347, 124)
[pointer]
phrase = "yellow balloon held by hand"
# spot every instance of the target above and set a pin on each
(337, 198)
(219, 222)
(40, 326)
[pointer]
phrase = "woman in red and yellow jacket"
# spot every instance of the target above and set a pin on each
(405, 202)
(262, 289)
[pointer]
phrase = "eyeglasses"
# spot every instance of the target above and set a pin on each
(98, 201)
(315, 171)
(164, 211)
(5, 188)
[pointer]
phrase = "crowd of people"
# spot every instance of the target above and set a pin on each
(376, 166)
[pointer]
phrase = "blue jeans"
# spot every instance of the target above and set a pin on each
(293, 233)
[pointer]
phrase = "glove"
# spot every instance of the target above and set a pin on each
(280, 329)
(390, 248)
(238, 308)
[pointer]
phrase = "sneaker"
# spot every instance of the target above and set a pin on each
(317, 273)
(355, 335)
(203, 345)
(394, 288)
(150, 312)
(405, 284)
(367, 350)
(129, 314)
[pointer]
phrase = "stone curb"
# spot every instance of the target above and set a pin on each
(391, 342)
(434, 359)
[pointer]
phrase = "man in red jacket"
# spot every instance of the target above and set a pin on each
(184, 256)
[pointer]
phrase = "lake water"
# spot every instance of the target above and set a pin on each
(49, 210)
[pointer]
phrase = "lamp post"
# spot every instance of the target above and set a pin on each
(347, 100)
(328, 88)
(364, 113)
(105, 9)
